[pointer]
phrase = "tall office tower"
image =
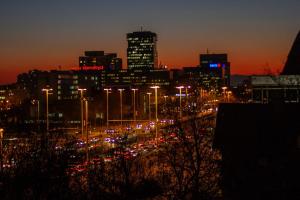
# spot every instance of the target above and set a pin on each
(141, 51)
(292, 65)
(217, 68)
(99, 60)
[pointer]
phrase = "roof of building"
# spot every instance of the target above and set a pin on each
(292, 65)
(282, 80)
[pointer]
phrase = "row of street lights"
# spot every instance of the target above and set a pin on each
(134, 103)
(108, 90)
(82, 90)
(121, 105)
(226, 94)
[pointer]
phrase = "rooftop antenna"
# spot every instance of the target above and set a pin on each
(141, 28)
(207, 51)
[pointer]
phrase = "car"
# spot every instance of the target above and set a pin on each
(108, 159)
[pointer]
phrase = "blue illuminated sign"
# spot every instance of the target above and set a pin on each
(214, 65)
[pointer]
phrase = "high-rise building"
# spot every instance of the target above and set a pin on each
(141, 51)
(217, 69)
(99, 60)
(292, 65)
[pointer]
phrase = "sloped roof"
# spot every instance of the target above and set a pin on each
(292, 65)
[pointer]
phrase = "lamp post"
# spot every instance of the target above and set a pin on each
(1, 149)
(121, 105)
(224, 90)
(81, 90)
(156, 118)
(107, 91)
(165, 97)
(229, 93)
(186, 92)
(47, 90)
(38, 115)
(180, 111)
(86, 130)
(149, 105)
(134, 112)
(37, 103)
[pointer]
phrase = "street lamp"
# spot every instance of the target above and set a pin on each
(86, 130)
(224, 94)
(165, 99)
(186, 92)
(229, 93)
(47, 90)
(107, 91)
(156, 118)
(149, 108)
(81, 90)
(1, 149)
(180, 111)
(37, 103)
(121, 105)
(134, 112)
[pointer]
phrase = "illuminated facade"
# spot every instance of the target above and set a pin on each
(216, 70)
(137, 78)
(6, 96)
(65, 84)
(142, 50)
(99, 60)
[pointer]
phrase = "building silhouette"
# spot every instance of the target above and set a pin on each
(216, 70)
(260, 145)
(142, 50)
(292, 65)
(99, 60)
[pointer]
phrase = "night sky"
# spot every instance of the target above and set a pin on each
(45, 34)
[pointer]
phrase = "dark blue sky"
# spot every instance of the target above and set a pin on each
(45, 34)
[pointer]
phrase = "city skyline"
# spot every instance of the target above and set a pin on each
(44, 35)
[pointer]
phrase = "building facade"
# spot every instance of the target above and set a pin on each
(216, 70)
(99, 60)
(142, 50)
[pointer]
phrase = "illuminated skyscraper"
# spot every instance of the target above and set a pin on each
(217, 69)
(141, 51)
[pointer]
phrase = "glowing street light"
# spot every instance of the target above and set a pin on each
(186, 91)
(47, 90)
(37, 103)
(134, 112)
(149, 105)
(180, 111)
(156, 118)
(1, 149)
(86, 130)
(229, 93)
(165, 97)
(121, 104)
(107, 91)
(81, 90)
(224, 92)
